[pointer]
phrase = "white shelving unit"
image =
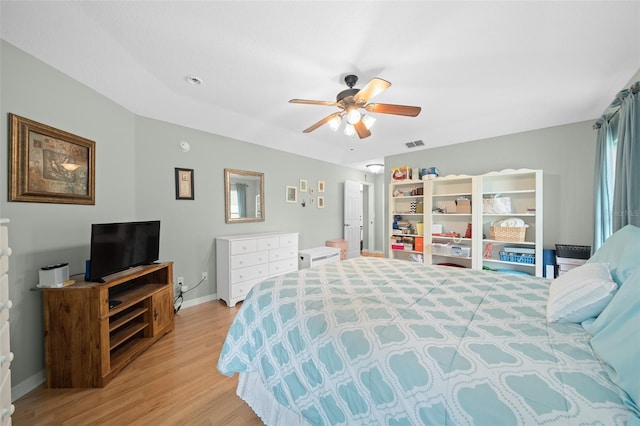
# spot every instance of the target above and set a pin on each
(524, 188)
(442, 211)
(400, 201)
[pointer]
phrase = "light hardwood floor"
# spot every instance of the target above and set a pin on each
(174, 382)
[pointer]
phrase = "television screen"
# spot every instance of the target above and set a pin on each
(119, 246)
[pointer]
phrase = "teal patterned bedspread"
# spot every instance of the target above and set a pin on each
(373, 341)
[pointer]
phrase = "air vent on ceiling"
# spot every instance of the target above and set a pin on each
(414, 144)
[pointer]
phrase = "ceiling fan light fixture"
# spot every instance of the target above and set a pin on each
(349, 130)
(334, 123)
(353, 116)
(350, 103)
(375, 168)
(368, 121)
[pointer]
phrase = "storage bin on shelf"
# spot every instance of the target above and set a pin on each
(528, 259)
(462, 251)
(418, 244)
(508, 233)
(441, 249)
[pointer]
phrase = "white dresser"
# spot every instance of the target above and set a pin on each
(242, 261)
(6, 356)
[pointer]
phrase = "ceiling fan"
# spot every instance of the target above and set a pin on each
(351, 100)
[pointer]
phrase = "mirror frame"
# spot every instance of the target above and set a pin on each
(227, 193)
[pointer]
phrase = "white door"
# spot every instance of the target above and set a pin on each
(352, 217)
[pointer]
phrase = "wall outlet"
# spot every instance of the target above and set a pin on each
(205, 276)
(184, 288)
(180, 281)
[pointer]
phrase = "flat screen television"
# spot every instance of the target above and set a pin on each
(119, 246)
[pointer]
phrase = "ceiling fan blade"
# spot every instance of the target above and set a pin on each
(309, 102)
(409, 111)
(374, 87)
(362, 130)
(321, 122)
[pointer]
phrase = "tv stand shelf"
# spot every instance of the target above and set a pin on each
(86, 343)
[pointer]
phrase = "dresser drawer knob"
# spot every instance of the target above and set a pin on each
(5, 358)
(6, 252)
(7, 305)
(8, 411)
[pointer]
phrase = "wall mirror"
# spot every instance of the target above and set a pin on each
(244, 196)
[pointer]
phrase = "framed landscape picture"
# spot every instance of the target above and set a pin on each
(48, 165)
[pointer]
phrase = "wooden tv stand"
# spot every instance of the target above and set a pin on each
(86, 342)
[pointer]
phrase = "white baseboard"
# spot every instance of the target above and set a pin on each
(26, 386)
(199, 300)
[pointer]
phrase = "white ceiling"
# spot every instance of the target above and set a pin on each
(478, 69)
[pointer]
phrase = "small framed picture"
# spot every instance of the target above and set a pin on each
(320, 186)
(184, 184)
(321, 202)
(303, 185)
(292, 194)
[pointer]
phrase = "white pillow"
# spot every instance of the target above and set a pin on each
(581, 293)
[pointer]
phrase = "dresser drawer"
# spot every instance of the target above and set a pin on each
(6, 407)
(268, 243)
(289, 240)
(4, 298)
(5, 350)
(4, 249)
(241, 290)
(243, 246)
(283, 266)
(282, 254)
(249, 259)
(251, 273)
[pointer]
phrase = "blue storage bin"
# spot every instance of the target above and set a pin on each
(528, 259)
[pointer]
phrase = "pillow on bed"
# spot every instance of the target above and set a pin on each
(615, 339)
(581, 293)
(621, 252)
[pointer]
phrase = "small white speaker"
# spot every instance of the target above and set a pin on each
(54, 275)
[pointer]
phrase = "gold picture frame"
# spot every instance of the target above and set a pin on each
(48, 165)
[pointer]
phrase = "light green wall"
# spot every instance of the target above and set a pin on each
(135, 161)
(42, 234)
(189, 227)
(566, 154)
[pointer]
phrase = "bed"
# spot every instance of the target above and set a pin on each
(373, 341)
